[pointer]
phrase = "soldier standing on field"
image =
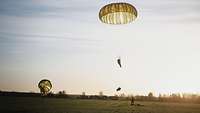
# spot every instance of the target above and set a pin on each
(132, 100)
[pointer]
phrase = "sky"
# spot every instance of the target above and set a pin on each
(64, 41)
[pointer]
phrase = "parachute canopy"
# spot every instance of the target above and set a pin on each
(118, 13)
(118, 89)
(45, 86)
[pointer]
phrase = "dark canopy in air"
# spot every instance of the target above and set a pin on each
(118, 89)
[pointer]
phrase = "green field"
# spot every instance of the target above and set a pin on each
(55, 105)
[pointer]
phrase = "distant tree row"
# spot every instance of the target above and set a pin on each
(174, 97)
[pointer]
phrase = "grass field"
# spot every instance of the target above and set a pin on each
(55, 105)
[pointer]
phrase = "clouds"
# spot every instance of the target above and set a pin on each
(87, 10)
(36, 8)
(20, 8)
(171, 10)
(170, 7)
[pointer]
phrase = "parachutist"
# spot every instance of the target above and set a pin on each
(119, 62)
(132, 100)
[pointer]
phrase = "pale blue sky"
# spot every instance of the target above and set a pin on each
(64, 41)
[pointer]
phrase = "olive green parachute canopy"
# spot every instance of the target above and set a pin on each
(118, 13)
(45, 86)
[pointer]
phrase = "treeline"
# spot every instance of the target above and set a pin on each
(174, 97)
(185, 97)
(177, 97)
(60, 94)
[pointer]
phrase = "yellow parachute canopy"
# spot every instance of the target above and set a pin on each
(118, 13)
(45, 86)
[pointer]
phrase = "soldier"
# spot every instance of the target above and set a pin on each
(132, 100)
(119, 62)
